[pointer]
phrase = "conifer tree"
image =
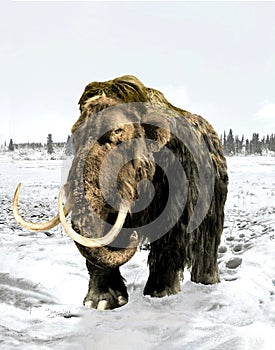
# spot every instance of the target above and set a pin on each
(247, 146)
(50, 144)
(230, 147)
(224, 142)
(11, 145)
(69, 146)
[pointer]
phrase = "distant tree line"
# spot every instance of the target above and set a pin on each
(49, 145)
(233, 145)
(26, 145)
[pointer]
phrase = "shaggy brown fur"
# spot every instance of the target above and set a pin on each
(171, 253)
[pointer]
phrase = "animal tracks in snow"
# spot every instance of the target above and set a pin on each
(250, 212)
(240, 235)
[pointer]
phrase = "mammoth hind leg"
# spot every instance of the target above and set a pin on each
(207, 237)
(165, 270)
(106, 288)
(205, 268)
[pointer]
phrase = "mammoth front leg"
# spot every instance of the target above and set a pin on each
(106, 288)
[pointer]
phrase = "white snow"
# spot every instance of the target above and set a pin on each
(43, 278)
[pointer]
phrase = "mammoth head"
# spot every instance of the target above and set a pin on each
(113, 163)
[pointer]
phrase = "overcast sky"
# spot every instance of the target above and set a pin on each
(216, 59)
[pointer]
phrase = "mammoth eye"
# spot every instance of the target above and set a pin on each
(118, 130)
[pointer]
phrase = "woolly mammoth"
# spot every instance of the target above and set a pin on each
(143, 171)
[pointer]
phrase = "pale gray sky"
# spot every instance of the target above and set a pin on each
(216, 59)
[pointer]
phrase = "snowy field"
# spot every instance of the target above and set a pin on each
(43, 278)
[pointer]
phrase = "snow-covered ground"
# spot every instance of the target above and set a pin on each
(43, 278)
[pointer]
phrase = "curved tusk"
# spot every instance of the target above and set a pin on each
(42, 226)
(91, 242)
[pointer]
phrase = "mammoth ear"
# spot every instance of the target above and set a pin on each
(157, 129)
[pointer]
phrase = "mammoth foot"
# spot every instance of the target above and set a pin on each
(106, 289)
(205, 273)
(160, 285)
(105, 301)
